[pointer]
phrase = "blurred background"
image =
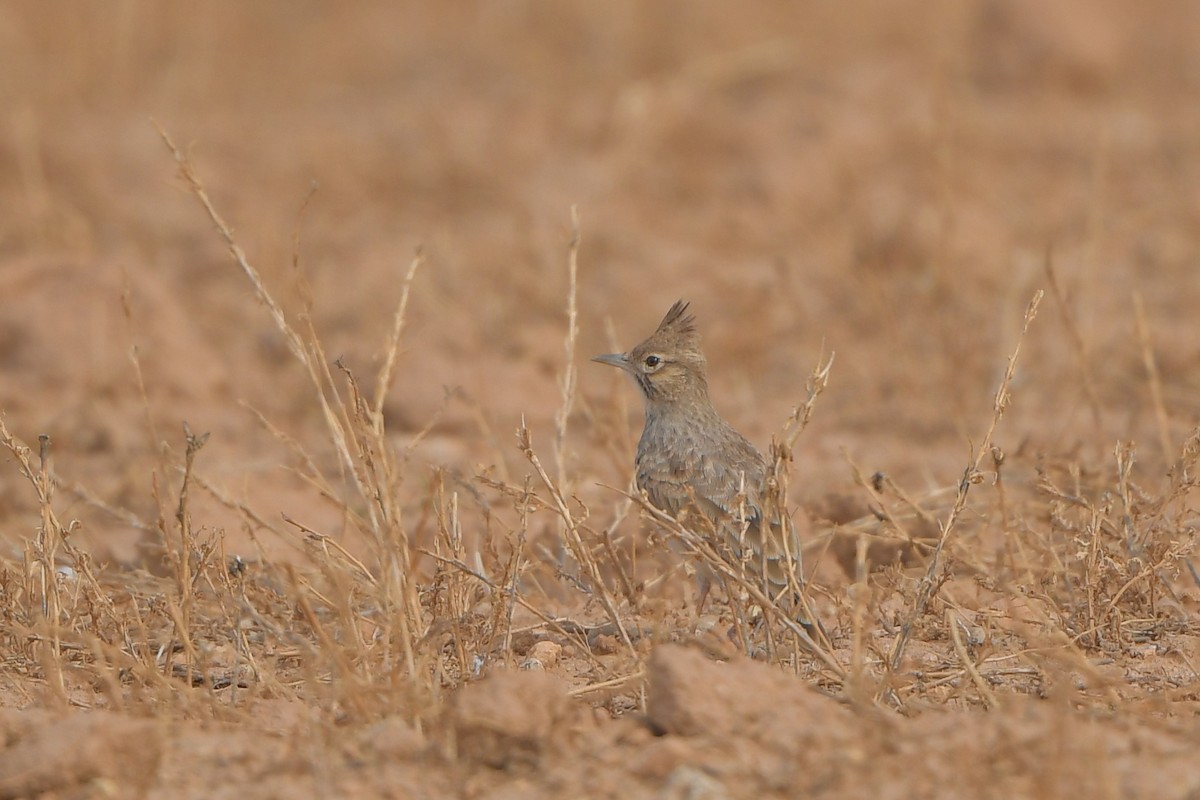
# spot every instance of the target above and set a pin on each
(887, 180)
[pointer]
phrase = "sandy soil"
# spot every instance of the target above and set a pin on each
(331, 602)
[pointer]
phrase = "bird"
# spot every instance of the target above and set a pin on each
(690, 459)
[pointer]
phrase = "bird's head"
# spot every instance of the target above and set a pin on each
(669, 365)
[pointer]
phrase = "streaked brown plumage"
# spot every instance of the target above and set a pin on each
(689, 457)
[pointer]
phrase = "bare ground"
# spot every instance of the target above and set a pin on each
(362, 584)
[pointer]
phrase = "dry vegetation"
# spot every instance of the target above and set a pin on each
(265, 528)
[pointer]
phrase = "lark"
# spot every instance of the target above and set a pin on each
(689, 459)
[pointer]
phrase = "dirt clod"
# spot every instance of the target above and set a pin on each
(691, 695)
(543, 655)
(509, 719)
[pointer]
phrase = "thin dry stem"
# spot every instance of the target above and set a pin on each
(387, 371)
(971, 476)
(571, 530)
(1152, 377)
(567, 383)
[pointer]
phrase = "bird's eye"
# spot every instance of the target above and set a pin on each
(653, 361)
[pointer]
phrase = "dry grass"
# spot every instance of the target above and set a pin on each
(1042, 578)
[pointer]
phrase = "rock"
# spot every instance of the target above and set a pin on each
(750, 723)
(690, 695)
(690, 783)
(508, 719)
(543, 655)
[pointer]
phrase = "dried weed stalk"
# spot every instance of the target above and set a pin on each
(971, 476)
(376, 620)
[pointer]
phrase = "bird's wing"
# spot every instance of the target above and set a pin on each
(736, 485)
(727, 490)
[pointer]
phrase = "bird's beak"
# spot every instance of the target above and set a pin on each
(613, 360)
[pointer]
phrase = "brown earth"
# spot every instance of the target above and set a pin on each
(328, 601)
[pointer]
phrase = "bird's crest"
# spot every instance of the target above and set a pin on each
(677, 320)
(676, 333)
